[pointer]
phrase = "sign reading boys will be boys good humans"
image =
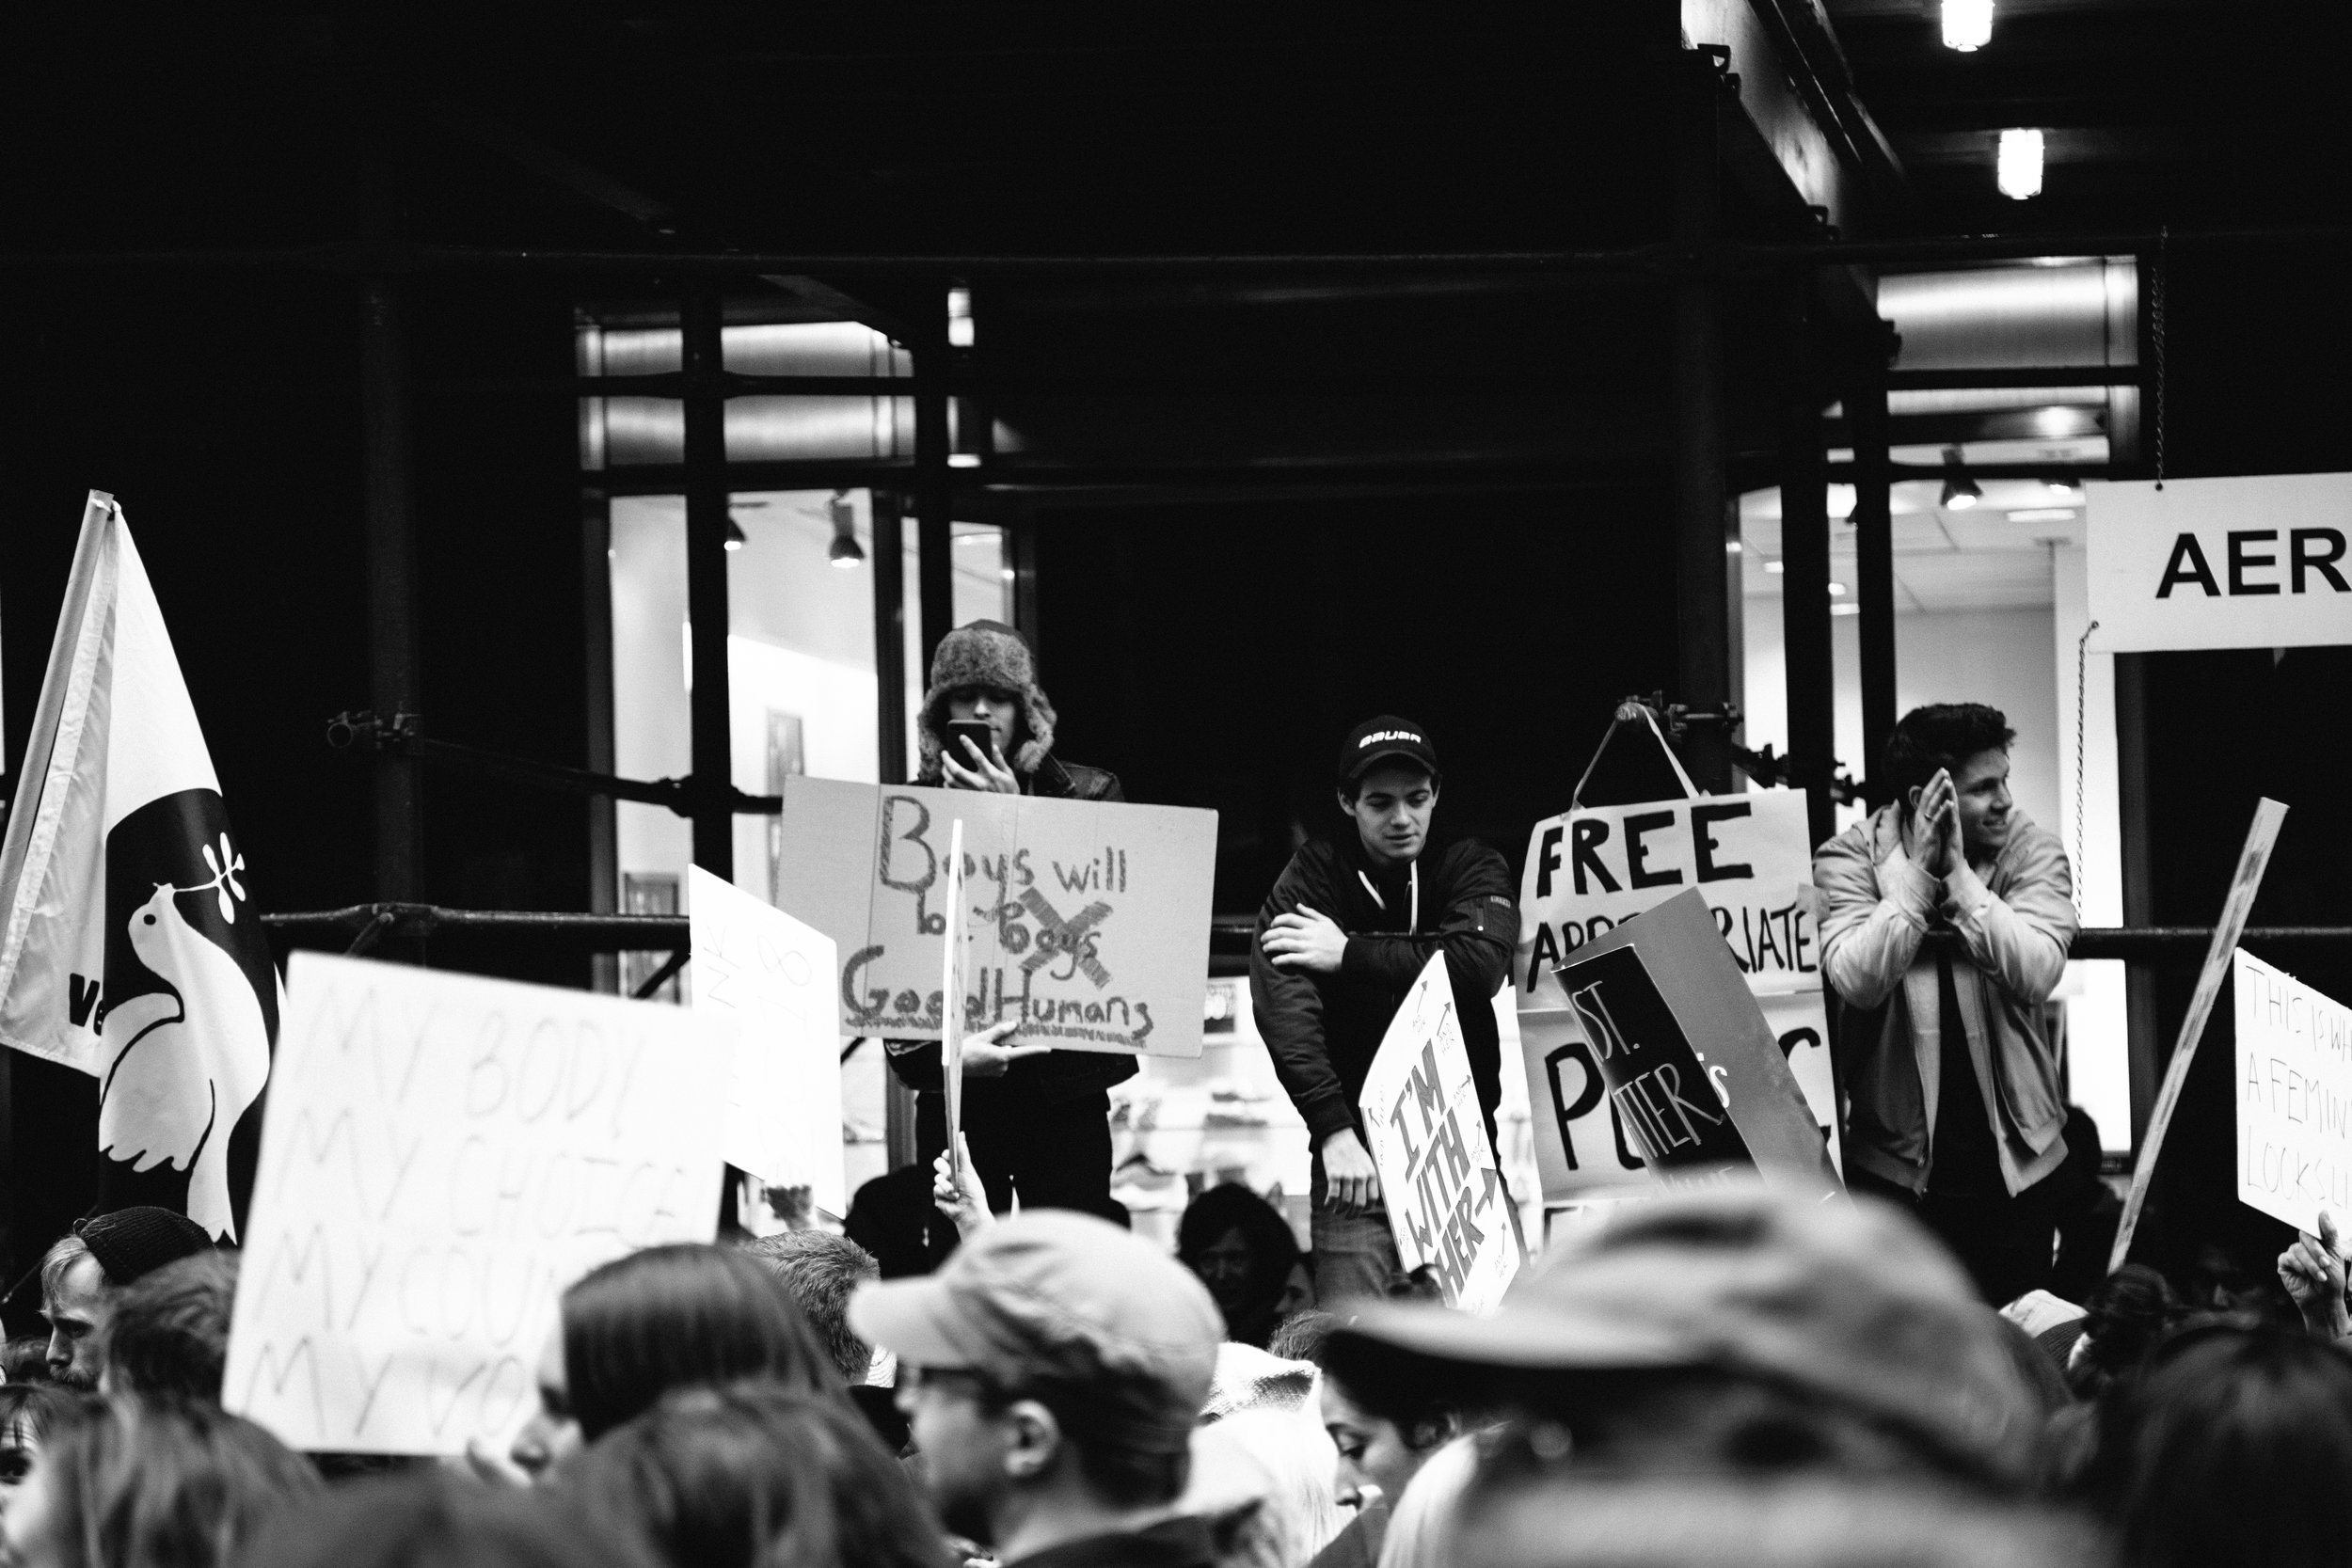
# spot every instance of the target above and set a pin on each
(1087, 920)
(1439, 1179)
(2293, 1096)
(2255, 563)
(441, 1157)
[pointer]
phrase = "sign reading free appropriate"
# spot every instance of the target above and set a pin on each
(442, 1156)
(2293, 1096)
(1089, 921)
(2263, 561)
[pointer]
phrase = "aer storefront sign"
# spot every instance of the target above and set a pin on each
(2250, 562)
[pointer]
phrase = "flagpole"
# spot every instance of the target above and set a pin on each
(951, 1003)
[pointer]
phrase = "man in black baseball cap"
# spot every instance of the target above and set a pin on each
(1350, 924)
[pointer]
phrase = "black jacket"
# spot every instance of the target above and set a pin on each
(1324, 1030)
(1053, 1075)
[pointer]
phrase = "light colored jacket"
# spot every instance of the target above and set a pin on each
(2015, 918)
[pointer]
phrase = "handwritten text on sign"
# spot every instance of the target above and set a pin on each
(1749, 856)
(2293, 1096)
(1089, 921)
(441, 1157)
(772, 977)
(1428, 1140)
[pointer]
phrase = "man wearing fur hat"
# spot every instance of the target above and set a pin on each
(1038, 1119)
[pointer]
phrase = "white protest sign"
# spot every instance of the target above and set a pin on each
(1438, 1176)
(2250, 562)
(1089, 920)
(772, 977)
(1589, 871)
(2293, 1096)
(1579, 1142)
(1750, 856)
(442, 1155)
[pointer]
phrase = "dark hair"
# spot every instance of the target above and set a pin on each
(1273, 1252)
(2131, 1308)
(169, 1337)
(1354, 789)
(25, 1358)
(752, 1474)
(1127, 1473)
(2232, 1446)
(426, 1519)
(189, 1485)
(40, 1409)
(686, 1315)
(822, 1270)
(1939, 735)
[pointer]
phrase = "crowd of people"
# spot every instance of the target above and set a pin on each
(989, 1366)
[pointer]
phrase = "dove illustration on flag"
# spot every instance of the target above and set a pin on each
(132, 948)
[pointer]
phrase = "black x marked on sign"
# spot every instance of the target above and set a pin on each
(1074, 937)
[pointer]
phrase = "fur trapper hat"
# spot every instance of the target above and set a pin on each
(986, 653)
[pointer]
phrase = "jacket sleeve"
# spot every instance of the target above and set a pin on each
(1872, 916)
(2019, 939)
(1477, 930)
(1289, 1008)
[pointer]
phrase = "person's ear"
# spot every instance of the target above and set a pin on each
(1347, 807)
(1034, 1442)
(1911, 796)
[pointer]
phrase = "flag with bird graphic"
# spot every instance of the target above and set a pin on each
(132, 948)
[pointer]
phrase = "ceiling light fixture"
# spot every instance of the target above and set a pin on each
(1774, 567)
(734, 534)
(2018, 170)
(1960, 491)
(845, 551)
(959, 317)
(1837, 591)
(2044, 514)
(1967, 25)
(1845, 610)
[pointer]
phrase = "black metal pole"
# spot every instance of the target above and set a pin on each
(1874, 565)
(1805, 573)
(890, 636)
(706, 582)
(1704, 578)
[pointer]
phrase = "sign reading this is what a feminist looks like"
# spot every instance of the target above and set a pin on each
(2293, 1096)
(441, 1157)
(1086, 921)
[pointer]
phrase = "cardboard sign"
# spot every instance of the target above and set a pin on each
(771, 977)
(1090, 920)
(1749, 856)
(2293, 1096)
(1580, 1135)
(442, 1155)
(2252, 562)
(1694, 1072)
(1438, 1176)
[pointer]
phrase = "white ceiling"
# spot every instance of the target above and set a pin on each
(1991, 556)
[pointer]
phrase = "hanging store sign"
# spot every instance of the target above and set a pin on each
(1089, 921)
(2263, 562)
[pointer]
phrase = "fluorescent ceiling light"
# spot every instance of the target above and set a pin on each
(959, 317)
(1837, 590)
(2019, 171)
(1845, 610)
(1774, 567)
(1967, 25)
(963, 460)
(2044, 514)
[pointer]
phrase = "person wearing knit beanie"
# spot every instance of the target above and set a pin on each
(85, 1274)
(1038, 1120)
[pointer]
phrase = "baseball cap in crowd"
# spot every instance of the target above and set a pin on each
(1058, 1296)
(131, 1244)
(1383, 738)
(1852, 1303)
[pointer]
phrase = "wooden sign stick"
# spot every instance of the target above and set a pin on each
(951, 1002)
(2251, 862)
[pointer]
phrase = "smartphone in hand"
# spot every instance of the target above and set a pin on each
(982, 735)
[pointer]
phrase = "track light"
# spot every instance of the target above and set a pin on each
(1967, 25)
(1960, 491)
(734, 534)
(2018, 167)
(845, 552)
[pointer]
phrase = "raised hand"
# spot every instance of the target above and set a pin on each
(2313, 1271)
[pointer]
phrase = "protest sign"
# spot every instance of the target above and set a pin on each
(772, 977)
(1090, 919)
(441, 1156)
(1580, 1140)
(1694, 1072)
(2293, 1096)
(2255, 561)
(1438, 1176)
(1749, 856)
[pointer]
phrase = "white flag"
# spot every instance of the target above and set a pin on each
(132, 949)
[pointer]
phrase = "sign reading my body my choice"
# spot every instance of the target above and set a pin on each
(1087, 920)
(2263, 561)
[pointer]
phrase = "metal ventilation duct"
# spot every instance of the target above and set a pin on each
(621, 432)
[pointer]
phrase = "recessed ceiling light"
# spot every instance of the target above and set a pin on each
(1845, 610)
(1774, 567)
(2044, 514)
(1967, 25)
(1837, 590)
(2018, 165)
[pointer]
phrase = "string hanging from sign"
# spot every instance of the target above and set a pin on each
(2082, 674)
(951, 1000)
